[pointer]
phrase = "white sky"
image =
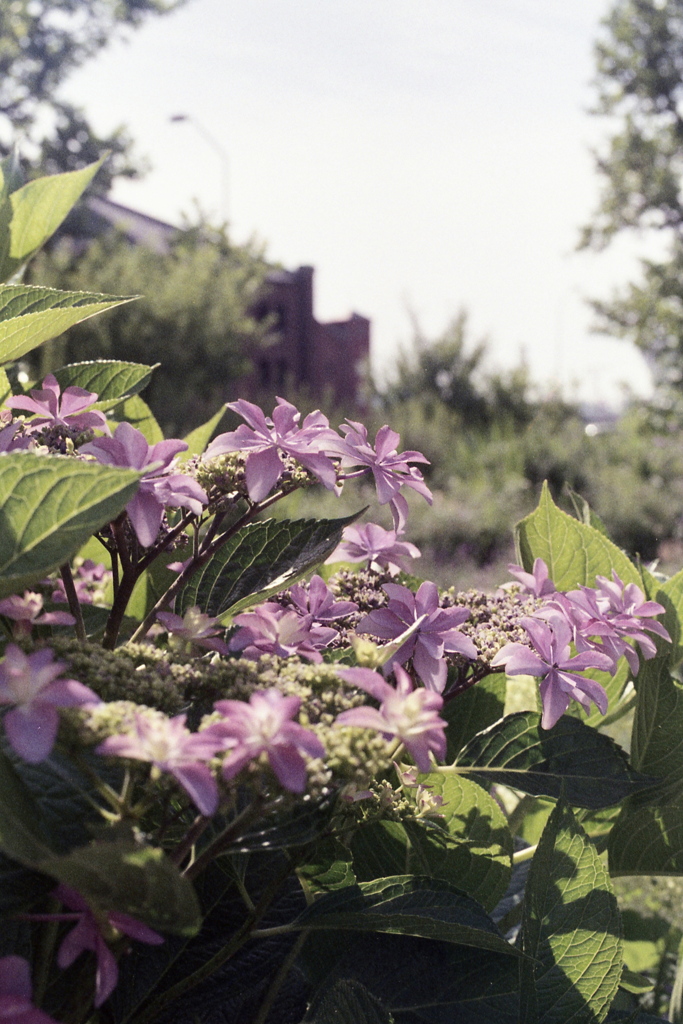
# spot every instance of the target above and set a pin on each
(421, 154)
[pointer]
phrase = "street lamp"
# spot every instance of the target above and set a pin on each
(219, 149)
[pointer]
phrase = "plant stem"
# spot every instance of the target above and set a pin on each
(72, 598)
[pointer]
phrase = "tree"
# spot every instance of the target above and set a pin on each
(41, 42)
(448, 372)
(193, 316)
(640, 89)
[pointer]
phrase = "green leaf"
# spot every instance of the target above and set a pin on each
(20, 835)
(571, 758)
(571, 931)
(474, 710)
(37, 210)
(328, 867)
(574, 552)
(198, 439)
(49, 506)
(31, 314)
(5, 386)
(407, 905)
(11, 177)
(470, 847)
(136, 412)
(259, 560)
(111, 380)
(347, 1002)
(130, 878)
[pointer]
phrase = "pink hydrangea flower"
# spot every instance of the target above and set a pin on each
(271, 629)
(90, 581)
(436, 635)
(264, 438)
(265, 726)
(194, 630)
(390, 469)
(318, 603)
(16, 992)
(170, 747)
(536, 582)
(159, 487)
(27, 612)
(381, 548)
(411, 715)
(91, 933)
(30, 682)
(551, 661)
(9, 442)
(52, 407)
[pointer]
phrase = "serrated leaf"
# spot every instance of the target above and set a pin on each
(571, 758)
(111, 380)
(469, 847)
(574, 552)
(647, 837)
(37, 210)
(259, 560)
(49, 506)
(136, 412)
(347, 1002)
(130, 878)
(20, 835)
(31, 314)
(571, 931)
(5, 387)
(198, 439)
(474, 710)
(327, 868)
(407, 905)
(421, 981)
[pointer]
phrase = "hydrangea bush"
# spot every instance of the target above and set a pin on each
(261, 772)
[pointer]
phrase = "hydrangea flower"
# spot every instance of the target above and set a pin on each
(194, 630)
(91, 933)
(30, 682)
(16, 992)
(27, 612)
(411, 715)
(536, 582)
(263, 438)
(551, 661)
(390, 469)
(170, 747)
(265, 726)
(271, 629)
(9, 442)
(90, 581)
(159, 486)
(318, 603)
(380, 547)
(436, 635)
(52, 407)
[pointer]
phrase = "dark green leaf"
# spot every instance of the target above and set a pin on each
(589, 767)
(574, 552)
(470, 846)
(49, 506)
(347, 1002)
(328, 867)
(407, 905)
(420, 981)
(474, 710)
(130, 878)
(31, 314)
(136, 412)
(260, 560)
(111, 381)
(571, 929)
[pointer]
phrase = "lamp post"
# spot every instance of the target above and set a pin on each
(217, 148)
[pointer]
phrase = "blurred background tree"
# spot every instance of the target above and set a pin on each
(640, 90)
(41, 42)
(193, 317)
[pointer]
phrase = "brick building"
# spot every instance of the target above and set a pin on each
(326, 359)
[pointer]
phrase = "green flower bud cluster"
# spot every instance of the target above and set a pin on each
(223, 477)
(364, 587)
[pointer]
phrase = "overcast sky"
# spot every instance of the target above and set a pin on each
(423, 156)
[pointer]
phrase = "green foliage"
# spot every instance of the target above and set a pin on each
(48, 510)
(571, 932)
(193, 318)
